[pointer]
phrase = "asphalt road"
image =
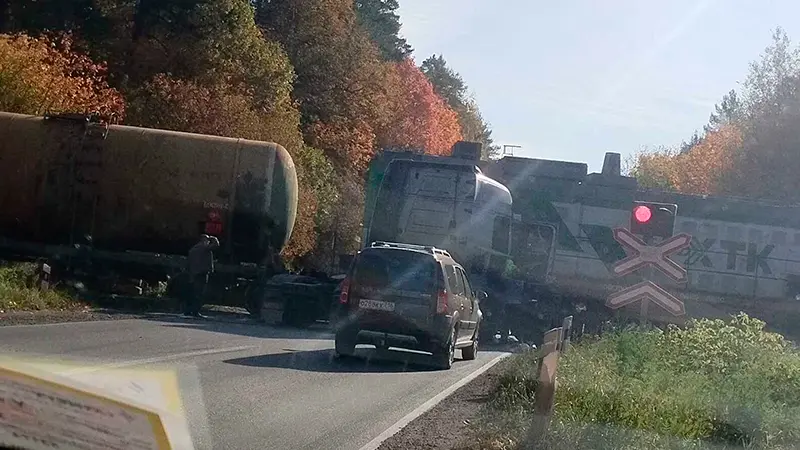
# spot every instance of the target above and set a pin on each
(253, 386)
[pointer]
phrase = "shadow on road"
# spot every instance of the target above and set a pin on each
(366, 360)
(244, 327)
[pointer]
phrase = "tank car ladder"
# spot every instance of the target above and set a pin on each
(85, 164)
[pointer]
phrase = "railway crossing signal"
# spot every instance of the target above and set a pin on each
(641, 255)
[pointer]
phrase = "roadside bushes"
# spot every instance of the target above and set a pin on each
(711, 383)
(18, 291)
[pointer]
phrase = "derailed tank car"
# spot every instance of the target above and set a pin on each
(139, 194)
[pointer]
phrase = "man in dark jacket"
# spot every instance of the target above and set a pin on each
(200, 265)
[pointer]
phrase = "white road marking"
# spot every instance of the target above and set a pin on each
(425, 407)
(157, 359)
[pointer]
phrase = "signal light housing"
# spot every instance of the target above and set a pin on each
(650, 219)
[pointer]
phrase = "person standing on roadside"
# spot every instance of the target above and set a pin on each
(200, 266)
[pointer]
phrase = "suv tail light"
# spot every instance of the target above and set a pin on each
(441, 302)
(344, 295)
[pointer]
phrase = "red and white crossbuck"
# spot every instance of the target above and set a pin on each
(641, 255)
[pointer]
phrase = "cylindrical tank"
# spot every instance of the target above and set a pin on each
(130, 188)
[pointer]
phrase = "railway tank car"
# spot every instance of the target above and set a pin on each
(66, 180)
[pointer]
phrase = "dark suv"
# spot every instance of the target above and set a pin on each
(408, 296)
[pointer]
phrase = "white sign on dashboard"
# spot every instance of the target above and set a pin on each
(40, 412)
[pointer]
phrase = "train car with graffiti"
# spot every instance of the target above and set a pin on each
(743, 254)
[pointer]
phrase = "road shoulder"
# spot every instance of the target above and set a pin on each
(452, 421)
(217, 313)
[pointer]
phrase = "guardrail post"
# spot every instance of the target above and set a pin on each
(44, 280)
(546, 386)
(566, 327)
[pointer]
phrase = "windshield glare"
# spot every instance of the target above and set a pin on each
(406, 271)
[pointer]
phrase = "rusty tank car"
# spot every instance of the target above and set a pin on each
(141, 196)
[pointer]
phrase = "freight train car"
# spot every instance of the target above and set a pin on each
(141, 195)
(744, 254)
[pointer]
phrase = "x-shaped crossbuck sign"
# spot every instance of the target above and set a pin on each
(641, 255)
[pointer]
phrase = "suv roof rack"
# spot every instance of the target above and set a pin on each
(427, 248)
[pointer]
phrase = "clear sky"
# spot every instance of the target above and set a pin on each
(571, 80)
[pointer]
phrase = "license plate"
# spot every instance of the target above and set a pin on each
(375, 304)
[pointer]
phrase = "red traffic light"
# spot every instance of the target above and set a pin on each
(642, 214)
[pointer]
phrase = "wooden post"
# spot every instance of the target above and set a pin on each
(44, 280)
(546, 388)
(566, 326)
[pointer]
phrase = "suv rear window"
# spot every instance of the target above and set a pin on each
(396, 269)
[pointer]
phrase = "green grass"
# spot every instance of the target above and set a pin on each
(18, 291)
(712, 384)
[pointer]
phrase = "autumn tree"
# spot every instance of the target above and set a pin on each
(452, 88)
(304, 234)
(315, 175)
(339, 71)
(692, 142)
(653, 168)
(343, 91)
(218, 109)
(772, 80)
(728, 112)
(101, 27)
(39, 75)
(353, 140)
(749, 147)
(206, 67)
(707, 169)
(379, 18)
(768, 164)
(422, 120)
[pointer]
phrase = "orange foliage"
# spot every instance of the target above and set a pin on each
(39, 75)
(304, 234)
(172, 104)
(349, 143)
(702, 170)
(219, 109)
(422, 120)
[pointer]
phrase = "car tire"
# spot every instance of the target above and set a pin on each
(446, 355)
(469, 353)
(344, 344)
